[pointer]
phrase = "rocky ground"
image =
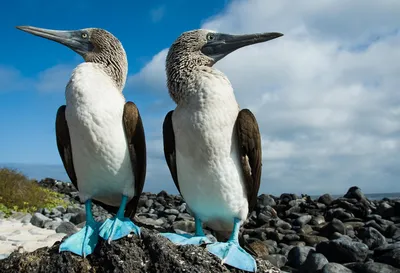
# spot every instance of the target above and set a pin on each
(293, 233)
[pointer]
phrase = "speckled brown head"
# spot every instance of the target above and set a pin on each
(94, 45)
(202, 47)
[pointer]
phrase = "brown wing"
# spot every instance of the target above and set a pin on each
(169, 147)
(65, 151)
(64, 144)
(137, 149)
(249, 140)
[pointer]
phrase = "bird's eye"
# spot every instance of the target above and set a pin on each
(84, 35)
(210, 37)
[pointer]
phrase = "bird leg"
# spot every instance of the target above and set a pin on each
(186, 239)
(83, 242)
(232, 253)
(118, 226)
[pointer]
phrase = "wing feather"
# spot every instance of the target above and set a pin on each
(169, 147)
(135, 136)
(249, 140)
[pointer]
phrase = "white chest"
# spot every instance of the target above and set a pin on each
(99, 147)
(208, 166)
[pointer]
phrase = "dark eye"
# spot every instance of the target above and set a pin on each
(210, 37)
(84, 35)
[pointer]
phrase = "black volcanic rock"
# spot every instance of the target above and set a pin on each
(295, 233)
(343, 250)
(150, 253)
(325, 199)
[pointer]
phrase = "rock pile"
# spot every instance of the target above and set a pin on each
(295, 234)
(151, 253)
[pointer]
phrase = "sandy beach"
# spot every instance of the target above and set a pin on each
(16, 235)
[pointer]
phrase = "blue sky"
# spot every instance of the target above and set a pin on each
(26, 113)
(34, 71)
(329, 118)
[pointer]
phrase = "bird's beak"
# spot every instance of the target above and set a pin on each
(222, 44)
(73, 39)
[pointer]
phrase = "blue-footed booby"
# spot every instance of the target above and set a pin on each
(100, 135)
(212, 148)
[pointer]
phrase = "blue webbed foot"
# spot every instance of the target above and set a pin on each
(83, 242)
(233, 254)
(118, 226)
(186, 239)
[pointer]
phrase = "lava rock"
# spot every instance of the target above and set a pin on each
(372, 267)
(302, 220)
(325, 199)
(172, 211)
(354, 192)
(39, 220)
(336, 268)
(391, 257)
(126, 255)
(386, 210)
(298, 255)
(317, 220)
(187, 226)
(78, 218)
(26, 219)
(371, 237)
(277, 259)
(282, 224)
(72, 209)
(386, 248)
(343, 250)
(55, 213)
(67, 228)
(314, 263)
(266, 200)
(334, 226)
(52, 225)
(260, 249)
(312, 240)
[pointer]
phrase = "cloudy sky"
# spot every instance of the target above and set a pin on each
(325, 94)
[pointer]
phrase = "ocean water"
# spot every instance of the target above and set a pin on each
(370, 196)
(380, 196)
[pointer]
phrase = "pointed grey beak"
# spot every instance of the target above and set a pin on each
(77, 40)
(219, 44)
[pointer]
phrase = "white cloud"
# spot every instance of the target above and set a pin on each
(11, 80)
(152, 76)
(157, 14)
(55, 78)
(325, 94)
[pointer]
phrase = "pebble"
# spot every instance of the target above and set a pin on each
(343, 250)
(277, 259)
(314, 263)
(298, 255)
(78, 218)
(187, 226)
(39, 219)
(371, 237)
(67, 228)
(336, 268)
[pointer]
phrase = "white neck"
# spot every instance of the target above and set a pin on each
(89, 83)
(208, 87)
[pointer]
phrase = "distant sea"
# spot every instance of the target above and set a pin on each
(370, 196)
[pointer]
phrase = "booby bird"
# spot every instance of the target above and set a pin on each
(100, 135)
(212, 148)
